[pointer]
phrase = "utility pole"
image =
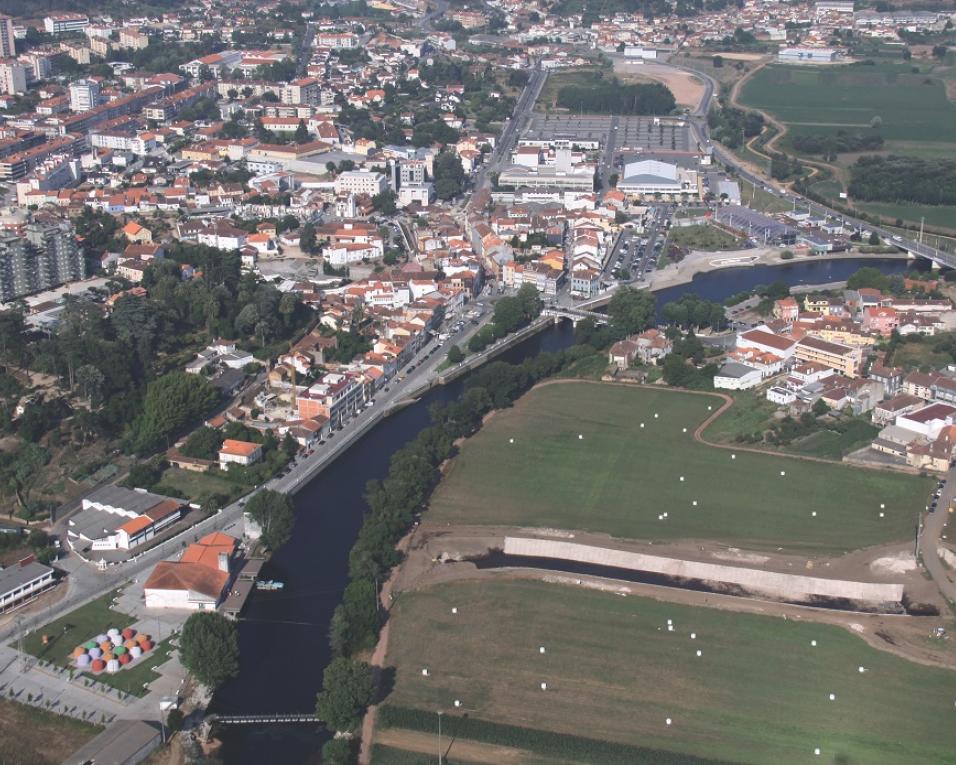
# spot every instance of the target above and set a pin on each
(921, 221)
(439, 737)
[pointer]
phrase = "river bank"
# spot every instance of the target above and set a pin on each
(284, 636)
(697, 263)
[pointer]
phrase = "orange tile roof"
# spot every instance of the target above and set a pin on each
(239, 448)
(135, 525)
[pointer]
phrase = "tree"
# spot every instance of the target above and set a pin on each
(631, 311)
(449, 175)
(384, 202)
(939, 51)
(209, 648)
(338, 751)
(455, 355)
(90, 380)
(347, 690)
(820, 407)
(874, 238)
(718, 62)
(275, 514)
(172, 402)
(301, 133)
(175, 720)
(307, 238)
(203, 443)
(867, 277)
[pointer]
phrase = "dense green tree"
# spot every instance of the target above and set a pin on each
(275, 514)
(455, 355)
(203, 443)
(868, 276)
(631, 311)
(347, 690)
(209, 648)
(355, 623)
(172, 403)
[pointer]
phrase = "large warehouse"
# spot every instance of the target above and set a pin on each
(651, 176)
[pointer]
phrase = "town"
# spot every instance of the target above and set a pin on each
(268, 270)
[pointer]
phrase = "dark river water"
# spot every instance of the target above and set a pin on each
(284, 635)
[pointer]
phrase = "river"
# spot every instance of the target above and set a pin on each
(284, 635)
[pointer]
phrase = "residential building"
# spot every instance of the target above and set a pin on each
(842, 358)
(13, 77)
(235, 452)
(8, 48)
(46, 256)
(84, 95)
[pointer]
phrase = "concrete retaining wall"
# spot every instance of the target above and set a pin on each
(785, 586)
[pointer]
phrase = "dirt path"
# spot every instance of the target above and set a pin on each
(460, 749)
(816, 166)
(377, 660)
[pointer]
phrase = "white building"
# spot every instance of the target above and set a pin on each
(84, 95)
(360, 182)
(650, 176)
(733, 376)
(8, 48)
(60, 23)
(807, 55)
(198, 581)
(13, 78)
(22, 582)
(233, 452)
(423, 193)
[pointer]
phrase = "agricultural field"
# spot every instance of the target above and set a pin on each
(615, 674)
(912, 108)
(703, 237)
(607, 458)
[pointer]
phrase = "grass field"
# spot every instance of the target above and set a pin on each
(131, 679)
(76, 627)
(822, 100)
(619, 477)
(194, 486)
(615, 673)
(703, 237)
(942, 217)
(582, 76)
(34, 736)
(761, 200)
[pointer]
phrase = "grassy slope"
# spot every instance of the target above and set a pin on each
(703, 237)
(619, 477)
(615, 673)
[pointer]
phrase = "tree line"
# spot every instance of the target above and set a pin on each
(613, 97)
(904, 179)
(829, 146)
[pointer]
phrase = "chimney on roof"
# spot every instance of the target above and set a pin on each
(223, 562)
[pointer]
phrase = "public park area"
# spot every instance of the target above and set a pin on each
(544, 672)
(610, 458)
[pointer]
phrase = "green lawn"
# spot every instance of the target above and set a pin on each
(758, 694)
(760, 199)
(584, 76)
(619, 477)
(703, 237)
(76, 627)
(194, 486)
(912, 107)
(751, 412)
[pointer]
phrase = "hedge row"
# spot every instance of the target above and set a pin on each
(540, 742)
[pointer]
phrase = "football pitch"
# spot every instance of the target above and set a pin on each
(614, 459)
(759, 692)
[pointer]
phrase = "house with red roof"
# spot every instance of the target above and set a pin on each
(199, 580)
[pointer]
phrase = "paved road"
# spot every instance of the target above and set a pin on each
(698, 124)
(933, 526)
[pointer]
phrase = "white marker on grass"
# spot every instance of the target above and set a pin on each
(667, 721)
(700, 653)
(813, 643)
(541, 649)
(832, 697)
(544, 686)
(457, 702)
(454, 610)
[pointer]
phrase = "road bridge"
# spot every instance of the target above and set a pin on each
(574, 314)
